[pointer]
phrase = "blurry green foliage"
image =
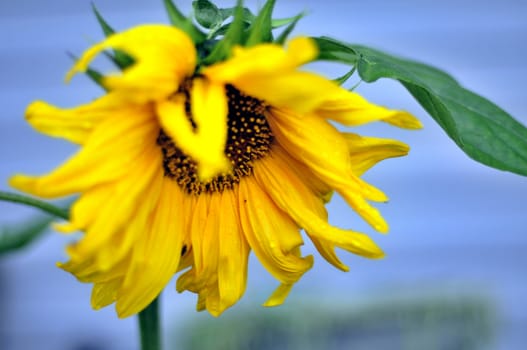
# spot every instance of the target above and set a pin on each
(431, 324)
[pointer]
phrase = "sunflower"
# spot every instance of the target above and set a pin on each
(187, 169)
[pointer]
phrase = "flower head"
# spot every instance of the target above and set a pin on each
(190, 167)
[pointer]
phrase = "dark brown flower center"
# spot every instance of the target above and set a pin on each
(249, 138)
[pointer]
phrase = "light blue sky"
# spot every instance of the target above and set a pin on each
(455, 224)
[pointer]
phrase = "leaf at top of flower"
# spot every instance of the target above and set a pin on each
(291, 24)
(207, 14)
(261, 28)
(484, 131)
(233, 36)
(248, 16)
(185, 24)
(119, 58)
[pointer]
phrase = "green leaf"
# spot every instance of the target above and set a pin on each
(280, 22)
(207, 14)
(261, 28)
(233, 36)
(185, 24)
(121, 59)
(481, 129)
(285, 33)
(248, 16)
(16, 238)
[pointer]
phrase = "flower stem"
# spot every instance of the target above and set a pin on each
(149, 327)
(47, 207)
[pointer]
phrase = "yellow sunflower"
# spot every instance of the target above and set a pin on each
(186, 169)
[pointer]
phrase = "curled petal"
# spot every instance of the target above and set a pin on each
(206, 144)
(269, 72)
(163, 57)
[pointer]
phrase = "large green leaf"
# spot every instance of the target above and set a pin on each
(481, 129)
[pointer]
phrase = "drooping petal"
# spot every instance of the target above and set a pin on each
(112, 148)
(233, 253)
(105, 293)
(156, 253)
(349, 108)
(266, 228)
(325, 247)
(365, 152)
(279, 295)
(119, 219)
(324, 150)
(74, 124)
(163, 57)
(306, 209)
(206, 144)
(205, 237)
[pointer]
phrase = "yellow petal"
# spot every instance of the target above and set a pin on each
(324, 150)
(327, 250)
(105, 293)
(206, 144)
(113, 147)
(264, 226)
(156, 255)
(349, 108)
(119, 219)
(365, 152)
(74, 125)
(298, 91)
(305, 208)
(261, 60)
(268, 72)
(233, 253)
(88, 270)
(163, 57)
(279, 295)
(205, 237)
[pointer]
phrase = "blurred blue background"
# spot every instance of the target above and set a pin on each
(458, 229)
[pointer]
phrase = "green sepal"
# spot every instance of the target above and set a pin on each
(119, 58)
(341, 80)
(481, 129)
(185, 24)
(16, 238)
(291, 24)
(233, 36)
(261, 28)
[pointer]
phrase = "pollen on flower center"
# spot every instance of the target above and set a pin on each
(249, 138)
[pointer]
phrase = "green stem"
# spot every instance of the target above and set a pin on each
(149, 327)
(21, 199)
